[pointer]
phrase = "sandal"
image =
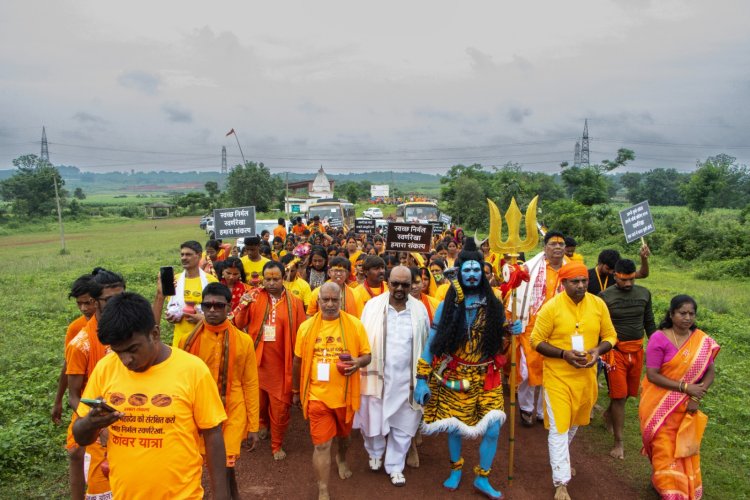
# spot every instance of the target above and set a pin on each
(398, 479)
(375, 464)
(526, 419)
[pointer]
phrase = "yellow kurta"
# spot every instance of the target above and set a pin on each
(243, 409)
(572, 391)
(362, 295)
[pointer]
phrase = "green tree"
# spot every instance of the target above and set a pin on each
(31, 190)
(589, 185)
(710, 178)
(79, 194)
(470, 205)
(253, 184)
(662, 187)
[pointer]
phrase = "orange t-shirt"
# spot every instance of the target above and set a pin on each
(298, 229)
(329, 343)
(155, 446)
(280, 232)
(74, 327)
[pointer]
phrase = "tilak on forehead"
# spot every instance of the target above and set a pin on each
(556, 239)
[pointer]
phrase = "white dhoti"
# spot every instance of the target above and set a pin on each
(527, 395)
(388, 424)
(559, 448)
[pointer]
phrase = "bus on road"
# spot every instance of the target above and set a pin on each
(337, 213)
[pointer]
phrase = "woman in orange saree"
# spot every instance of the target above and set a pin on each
(679, 371)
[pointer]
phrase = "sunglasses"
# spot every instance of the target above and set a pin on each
(208, 306)
(402, 284)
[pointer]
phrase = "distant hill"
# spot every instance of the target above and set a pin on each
(165, 181)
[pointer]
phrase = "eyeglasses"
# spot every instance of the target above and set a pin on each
(209, 306)
(400, 284)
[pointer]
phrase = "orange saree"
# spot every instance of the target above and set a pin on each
(665, 421)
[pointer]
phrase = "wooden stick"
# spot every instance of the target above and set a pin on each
(513, 345)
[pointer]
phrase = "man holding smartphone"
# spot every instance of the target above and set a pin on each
(82, 354)
(571, 331)
(164, 398)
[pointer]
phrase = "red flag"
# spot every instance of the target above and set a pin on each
(230, 133)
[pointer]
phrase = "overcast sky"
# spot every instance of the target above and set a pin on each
(392, 85)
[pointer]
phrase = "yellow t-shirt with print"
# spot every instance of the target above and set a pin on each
(253, 270)
(194, 295)
(300, 289)
(329, 343)
(155, 446)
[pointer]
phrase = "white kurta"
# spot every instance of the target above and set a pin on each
(376, 416)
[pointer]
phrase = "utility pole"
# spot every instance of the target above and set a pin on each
(585, 144)
(577, 157)
(286, 202)
(44, 156)
(223, 159)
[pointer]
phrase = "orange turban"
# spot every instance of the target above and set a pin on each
(572, 270)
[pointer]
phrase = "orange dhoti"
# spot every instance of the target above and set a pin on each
(274, 416)
(625, 367)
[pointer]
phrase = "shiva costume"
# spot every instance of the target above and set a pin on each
(459, 373)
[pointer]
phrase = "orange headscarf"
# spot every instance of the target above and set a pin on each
(572, 270)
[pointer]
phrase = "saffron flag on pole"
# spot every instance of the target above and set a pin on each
(230, 133)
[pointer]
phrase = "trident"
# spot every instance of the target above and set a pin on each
(512, 246)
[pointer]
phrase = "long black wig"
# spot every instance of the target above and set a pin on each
(452, 331)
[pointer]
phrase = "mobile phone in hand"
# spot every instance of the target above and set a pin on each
(166, 275)
(98, 403)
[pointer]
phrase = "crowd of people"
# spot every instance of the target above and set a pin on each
(398, 345)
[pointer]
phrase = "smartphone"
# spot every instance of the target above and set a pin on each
(98, 403)
(166, 275)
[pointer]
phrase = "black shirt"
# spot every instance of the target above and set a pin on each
(630, 311)
(594, 286)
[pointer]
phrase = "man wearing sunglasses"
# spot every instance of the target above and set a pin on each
(230, 356)
(396, 324)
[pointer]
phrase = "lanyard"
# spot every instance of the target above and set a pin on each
(606, 280)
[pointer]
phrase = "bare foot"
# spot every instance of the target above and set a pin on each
(344, 471)
(561, 493)
(618, 451)
(418, 438)
(323, 492)
(263, 433)
(412, 459)
(608, 422)
(572, 472)
(279, 455)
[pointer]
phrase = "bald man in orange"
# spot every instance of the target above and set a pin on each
(272, 317)
(230, 357)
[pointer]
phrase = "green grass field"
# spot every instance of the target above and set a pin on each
(35, 282)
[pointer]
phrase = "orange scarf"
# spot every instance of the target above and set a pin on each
(689, 365)
(192, 344)
(427, 306)
(351, 343)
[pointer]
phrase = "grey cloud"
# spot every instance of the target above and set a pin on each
(176, 113)
(517, 115)
(88, 118)
(142, 81)
(480, 61)
(310, 108)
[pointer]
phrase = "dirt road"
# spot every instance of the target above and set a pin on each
(261, 477)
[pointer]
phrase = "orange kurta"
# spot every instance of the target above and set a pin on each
(534, 360)
(241, 402)
(274, 358)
